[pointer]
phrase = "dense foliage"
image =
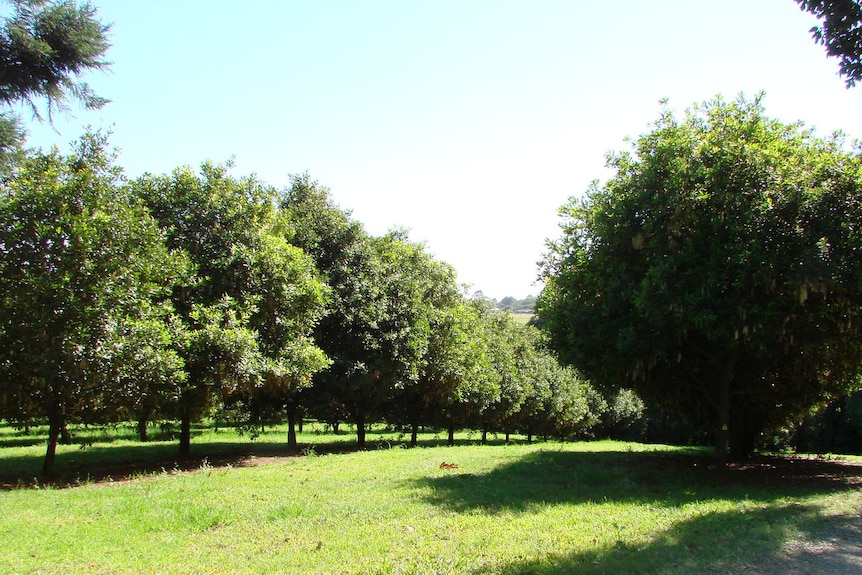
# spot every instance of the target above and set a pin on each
(245, 318)
(840, 32)
(177, 296)
(45, 48)
(84, 277)
(717, 272)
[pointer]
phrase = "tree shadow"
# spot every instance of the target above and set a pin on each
(99, 458)
(549, 477)
(100, 454)
(21, 441)
(715, 542)
(108, 463)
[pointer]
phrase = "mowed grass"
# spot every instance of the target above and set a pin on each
(542, 508)
(522, 318)
(98, 451)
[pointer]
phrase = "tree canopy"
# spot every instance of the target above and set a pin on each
(177, 296)
(84, 275)
(45, 49)
(245, 320)
(840, 32)
(716, 272)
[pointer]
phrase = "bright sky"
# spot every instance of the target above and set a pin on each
(468, 122)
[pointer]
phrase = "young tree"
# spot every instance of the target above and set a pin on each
(572, 408)
(512, 357)
(149, 371)
(246, 319)
(717, 272)
(424, 338)
(351, 334)
(476, 378)
(407, 289)
(290, 302)
(81, 264)
(418, 398)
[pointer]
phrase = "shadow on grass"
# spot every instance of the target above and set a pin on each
(549, 477)
(751, 538)
(113, 453)
(753, 541)
(89, 463)
(21, 441)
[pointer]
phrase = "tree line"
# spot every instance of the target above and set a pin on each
(716, 273)
(168, 297)
(175, 295)
(510, 303)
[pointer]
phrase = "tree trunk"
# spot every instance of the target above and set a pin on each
(484, 435)
(360, 431)
(65, 436)
(744, 430)
(451, 432)
(414, 434)
(143, 435)
(54, 427)
(185, 434)
(291, 428)
(507, 437)
(722, 432)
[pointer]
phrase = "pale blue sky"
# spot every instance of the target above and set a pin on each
(468, 122)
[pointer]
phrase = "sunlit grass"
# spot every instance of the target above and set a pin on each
(545, 508)
(98, 449)
(523, 318)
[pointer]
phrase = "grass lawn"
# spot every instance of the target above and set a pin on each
(522, 318)
(543, 508)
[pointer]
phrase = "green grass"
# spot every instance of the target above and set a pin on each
(522, 318)
(545, 508)
(96, 451)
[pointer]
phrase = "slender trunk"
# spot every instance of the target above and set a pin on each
(451, 432)
(529, 434)
(185, 434)
(65, 436)
(414, 434)
(484, 434)
(54, 427)
(507, 437)
(143, 435)
(335, 427)
(360, 431)
(299, 423)
(722, 432)
(291, 428)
